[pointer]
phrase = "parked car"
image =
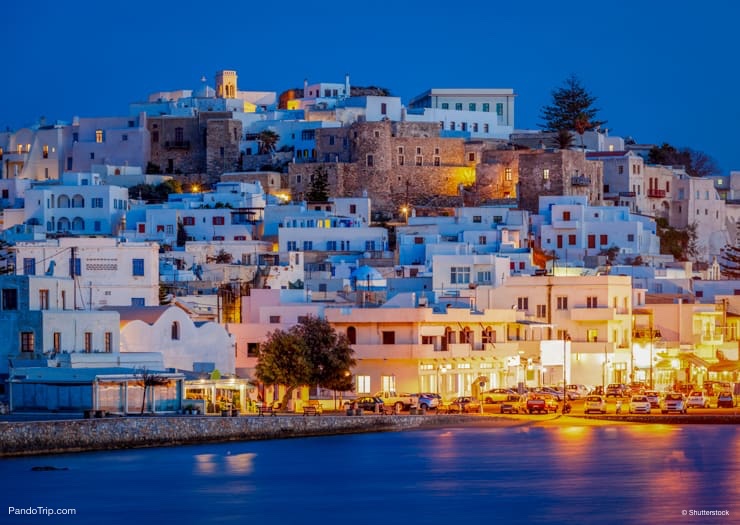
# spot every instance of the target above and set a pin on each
(580, 391)
(617, 390)
(697, 399)
(542, 403)
(725, 399)
(673, 402)
(365, 403)
(654, 398)
(426, 401)
(463, 404)
(639, 405)
(637, 388)
(594, 403)
(496, 395)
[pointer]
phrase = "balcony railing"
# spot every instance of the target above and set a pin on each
(644, 334)
(656, 194)
(580, 180)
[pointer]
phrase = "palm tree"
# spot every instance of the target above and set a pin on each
(267, 140)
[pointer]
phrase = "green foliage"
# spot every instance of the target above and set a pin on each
(224, 257)
(564, 139)
(679, 243)
(697, 163)
(571, 109)
(266, 141)
(309, 353)
(610, 253)
(319, 190)
(152, 169)
(155, 193)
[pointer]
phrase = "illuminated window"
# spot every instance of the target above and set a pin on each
(362, 384)
(545, 174)
(88, 342)
(57, 342)
(99, 136)
(27, 341)
(507, 174)
(45, 151)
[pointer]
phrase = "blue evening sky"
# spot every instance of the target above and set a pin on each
(663, 71)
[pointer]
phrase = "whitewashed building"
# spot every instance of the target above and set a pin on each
(106, 271)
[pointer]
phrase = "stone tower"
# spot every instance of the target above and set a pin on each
(226, 84)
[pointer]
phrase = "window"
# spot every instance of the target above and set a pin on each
(331, 246)
(362, 384)
(482, 239)
(292, 246)
(499, 109)
(522, 303)
(498, 219)
(571, 240)
(138, 267)
(566, 215)
(57, 342)
(27, 341)
(485, 128)
(99, 136)
(488, 336)
(620, 169)
(10, 299)
(307, 245)
(477, 219)
(308, 134)
(484, 277)
(458, 106)
(471, 106)
(486, 107)
(43, 299)
(29, 266)
(630, 237)
(389, 337)
(274, 319)
(452, 125)
(218, 220)
(370, 162)
(460, 275)
(592, 241)
(562, 302)
(545, 174)
(471, 157)
(507, 174)
(383, 108)
(75, 266)
(603, 239)
(592, 302)
(445, 105)
(592, 335)
(352, 335)
(419, 160)
(541, 310)
(108, 342)
(188, 221)
(400, 160)
(88, 342)
(370, 246)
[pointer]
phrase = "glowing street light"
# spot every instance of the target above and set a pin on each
(405, 211)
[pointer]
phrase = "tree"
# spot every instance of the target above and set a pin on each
(696, 163)
(309, 353)
(729, 262)
(564, 138)
(319, 190)
(571, 109)
(155, 193)
(182, 234)
(679, 243)
(223, 257)
(149, 379)
(266, 141)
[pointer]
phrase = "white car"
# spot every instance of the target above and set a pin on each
(697, 399)
(639, 405)
(594, 404)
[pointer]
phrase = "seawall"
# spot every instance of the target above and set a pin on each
(52, 437)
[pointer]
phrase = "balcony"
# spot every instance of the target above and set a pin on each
(580, 180)
(177, 144)
(656, 194)
(627, 194)
(596, 314)
(645, 334)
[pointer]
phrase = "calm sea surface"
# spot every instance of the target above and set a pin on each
(531, 474)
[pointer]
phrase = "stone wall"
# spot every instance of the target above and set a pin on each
(47, 437)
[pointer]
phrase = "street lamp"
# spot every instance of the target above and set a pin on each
(566, 338)
(405, 211)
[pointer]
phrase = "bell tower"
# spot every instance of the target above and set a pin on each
(226, 84)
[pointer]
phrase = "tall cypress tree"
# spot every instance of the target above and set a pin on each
(571, 109)
(319, 190)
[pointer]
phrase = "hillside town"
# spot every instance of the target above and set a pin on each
(454, 250)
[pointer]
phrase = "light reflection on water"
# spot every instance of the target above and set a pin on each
(535, 474)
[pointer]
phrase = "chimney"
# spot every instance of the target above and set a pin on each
(346, 85)
(305, 87)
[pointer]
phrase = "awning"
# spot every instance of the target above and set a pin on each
(694, 359)
(432, 330)
(725, 366)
